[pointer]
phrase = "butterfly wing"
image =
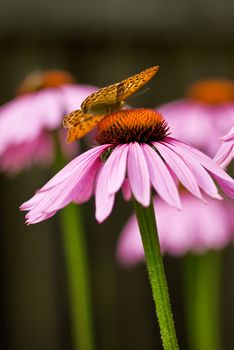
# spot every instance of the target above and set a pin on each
(79, 124)
(111, 97)
(103, 101)
(73, 118)
(130, 85)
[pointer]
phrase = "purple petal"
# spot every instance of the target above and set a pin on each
(64, 188)
(73, 166)
(116, 167)
(179, 167)
(161, 178)
(229, 136)
(138, 174)
(85, 187)
(74, 95)
(223, 179)
(42, 205)
(203, 178)
(103, 199)
(224, 154)
(126, 190)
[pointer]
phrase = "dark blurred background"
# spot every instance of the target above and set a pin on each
(100, 42)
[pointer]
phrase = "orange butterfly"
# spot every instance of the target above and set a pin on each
(106, 100)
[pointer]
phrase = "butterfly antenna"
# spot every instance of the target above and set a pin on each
(142, 91)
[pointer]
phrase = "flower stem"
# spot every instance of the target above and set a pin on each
(77, 271)
(78, 279)
(202, 282)
(147, 225)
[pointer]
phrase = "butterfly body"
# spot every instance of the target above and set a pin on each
(106, 100)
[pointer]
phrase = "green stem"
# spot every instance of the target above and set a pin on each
(76, 269)
(147, 225)
(203, 301)
(78, 279)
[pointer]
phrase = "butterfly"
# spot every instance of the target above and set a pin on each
(104, 101)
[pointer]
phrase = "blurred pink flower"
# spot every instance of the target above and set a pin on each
(225, 153)
(195, 229)
(206, 114)
(27, 121)
(134, 146)
(28, 153)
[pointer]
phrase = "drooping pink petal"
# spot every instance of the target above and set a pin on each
(38, 217)
(223, 179)
(116, 168)
(126, 190)
(224, 154)
(45, 203)
(229, 136)
(161, 178)
(204, 180)
(72, 166)
(138, 174)
(179, 167)
(103, 199)
(64, 187)
(85, 188)
(226, 185)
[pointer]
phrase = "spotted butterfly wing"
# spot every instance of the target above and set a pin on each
(112, 97)
(79, 124)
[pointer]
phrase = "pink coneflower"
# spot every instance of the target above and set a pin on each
(204, 116)
(134, 149)
(197, 228)
(27, 121)
(225, 153)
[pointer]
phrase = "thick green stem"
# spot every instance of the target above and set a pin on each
(76, 269)
(147, 224)
(202, 284)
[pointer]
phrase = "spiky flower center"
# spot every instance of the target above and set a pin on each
(44, 79)
(213, 91)
(140, 125)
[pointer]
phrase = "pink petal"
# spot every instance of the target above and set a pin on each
(74, 95)
(138, 174)
(223, 179)
(229, 136)
(203, 178)
(43, 204)
(85, 187)
(126, 190)
(224, 154)
(65, 188)
(18, 157)
(72, 166)
(103, 199)
(129, 249)
(161, 178)
(116, 167)
(226, 185)
(179, 168)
